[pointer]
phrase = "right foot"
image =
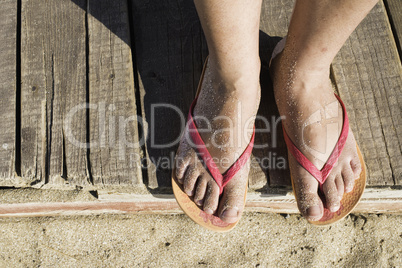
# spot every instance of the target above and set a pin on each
(313, 121)
(224, 115)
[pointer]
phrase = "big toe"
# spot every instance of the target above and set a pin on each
(310, 205)
(308, 200)
(232, 202)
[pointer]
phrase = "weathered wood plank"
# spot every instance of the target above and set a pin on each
(272, 157)
(53, 94)
(8, 88)
(394, 8)
(170, 50)
(274, 22)
(269, 165)
(389, 202)
(115, 152)
(368, 75)
(275, 17)
(169, 65)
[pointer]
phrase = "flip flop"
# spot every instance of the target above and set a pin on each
(349, 200)
(187, 204)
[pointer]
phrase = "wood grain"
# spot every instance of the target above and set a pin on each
(8, 88)
(274, 22)
(115, 155)
(169, 63)
(394, 8)
(390, 202)
(368, 75)
(53, 77)
(170, 50)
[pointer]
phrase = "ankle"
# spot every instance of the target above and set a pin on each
(306, 59)
(237, 74)
(295, 75)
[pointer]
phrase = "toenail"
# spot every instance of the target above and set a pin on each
(349, 189)
(314, 211)
(334, 208)
(199, 202)
(190, 193)
(208, 211)
(230, 212)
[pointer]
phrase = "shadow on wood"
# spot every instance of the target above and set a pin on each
(272, 155)
(170, 49)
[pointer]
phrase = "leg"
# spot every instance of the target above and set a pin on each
(317, 31)
(229, 97)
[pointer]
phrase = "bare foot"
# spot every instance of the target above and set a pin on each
(313, 121)
(224, 115)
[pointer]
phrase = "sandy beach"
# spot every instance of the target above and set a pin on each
(259, 240)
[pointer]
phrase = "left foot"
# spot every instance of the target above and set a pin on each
(313, 121)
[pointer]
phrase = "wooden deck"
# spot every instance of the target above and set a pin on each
(83, 83)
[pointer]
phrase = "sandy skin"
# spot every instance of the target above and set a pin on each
(313, 119)
(313, 116)
(225, 118)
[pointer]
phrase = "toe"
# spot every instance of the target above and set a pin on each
(340, 186)
(211, 198)
(331, 194)
(200, 190)
(190, 178)
(308, 201)
(181, 165)
(310, 205)
(348, 178)
(232, 202)
(179, 173)
(356, 166)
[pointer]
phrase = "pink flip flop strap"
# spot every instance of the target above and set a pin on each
(221, 179)
(321, 175)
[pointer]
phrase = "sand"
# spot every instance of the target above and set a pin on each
(260, 240)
